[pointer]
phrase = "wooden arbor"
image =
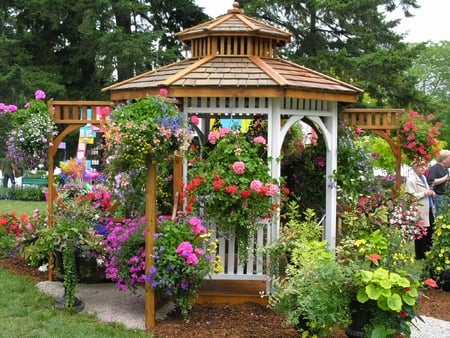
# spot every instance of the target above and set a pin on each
(71, 115)
(382, 122)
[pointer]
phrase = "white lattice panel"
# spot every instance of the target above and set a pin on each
(256, 266)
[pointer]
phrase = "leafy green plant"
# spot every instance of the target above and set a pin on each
(311, 293)
(437, 260)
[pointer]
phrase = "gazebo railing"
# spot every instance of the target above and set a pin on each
(255, 268)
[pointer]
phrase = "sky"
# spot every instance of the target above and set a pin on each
(430, 22)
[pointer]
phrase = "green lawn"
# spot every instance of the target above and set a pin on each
(27, 312)
(21, 207)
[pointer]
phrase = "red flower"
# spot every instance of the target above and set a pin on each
(231, 189)
(245, 194)
(403, 314)
(374, 258)
(431, 283)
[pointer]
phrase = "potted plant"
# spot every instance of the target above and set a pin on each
(312, 292)
(137, 133)
(232, 187)
(419, 136)
(76, 233)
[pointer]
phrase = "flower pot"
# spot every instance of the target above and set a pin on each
(444, 281)
(88, 270)
(360, 317)
(302, 324)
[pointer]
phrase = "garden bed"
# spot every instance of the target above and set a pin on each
(243, 320)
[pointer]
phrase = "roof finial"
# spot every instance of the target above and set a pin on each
(236, 9)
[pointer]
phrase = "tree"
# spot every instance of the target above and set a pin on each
(432, 69)
(72, 50)
(349, 40)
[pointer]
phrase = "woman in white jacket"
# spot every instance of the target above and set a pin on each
(416, 184)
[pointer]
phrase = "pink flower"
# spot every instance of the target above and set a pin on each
(256, 185)
(238, 167)
(199, 251)
(196, 226)
(105, 111)
(224, 131)
(271, 189)
(195, 120)
(213, 137)
(192, 259)
(184, 249)
(163, 92)
(260, 140)
(39, 94)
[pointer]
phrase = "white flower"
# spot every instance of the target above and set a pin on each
(43, 268)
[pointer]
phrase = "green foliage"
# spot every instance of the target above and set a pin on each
(28, 193)
(306, 185)
(313, 293)
(438, 258)
(383, 157)
(354, 174)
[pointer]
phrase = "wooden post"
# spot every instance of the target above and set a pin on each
(150, 214)
(177, 179)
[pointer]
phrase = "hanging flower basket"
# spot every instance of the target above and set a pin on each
(33, 129)
(137, 133)
(419, 137)
(232, 186)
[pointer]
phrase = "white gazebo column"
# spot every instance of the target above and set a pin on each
(275, 141)
(331, 189)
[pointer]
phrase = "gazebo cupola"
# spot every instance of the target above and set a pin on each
(234, 35)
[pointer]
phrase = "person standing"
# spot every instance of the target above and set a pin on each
(417, 185)
(8, 170)
(438, 177)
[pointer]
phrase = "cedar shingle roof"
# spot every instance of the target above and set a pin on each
(235, 71)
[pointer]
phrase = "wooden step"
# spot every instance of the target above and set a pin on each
(219, 291)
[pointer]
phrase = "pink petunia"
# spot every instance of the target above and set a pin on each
(184, 249)
(192, 259)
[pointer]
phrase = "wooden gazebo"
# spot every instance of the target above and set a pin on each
(234, 72)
